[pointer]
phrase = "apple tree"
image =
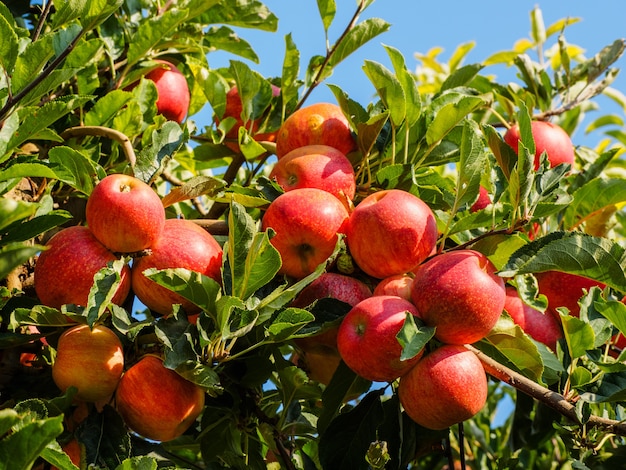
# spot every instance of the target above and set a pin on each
(232, 384)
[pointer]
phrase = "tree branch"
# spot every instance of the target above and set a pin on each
(552, 399)
(100, 131)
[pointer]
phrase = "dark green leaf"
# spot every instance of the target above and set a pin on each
(107, 107)
(461, 76)
(153, 31)
(225, 39)
(40, 315)
(35, 226)
(287, 323)
(14, 254)
(105, 284)
(413, 337)
(610, 388)
(164, 143)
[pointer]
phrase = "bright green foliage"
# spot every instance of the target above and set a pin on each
(434, 131)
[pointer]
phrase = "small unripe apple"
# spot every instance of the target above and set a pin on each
(125, 214)
(156, 402)
(183, 244)
(549, 138)
(316, 166)
(92, 360)
(367, 339)
(564, 290)
(307, 222)
(173, 91)
(64, 272)
(446, 386)
(460, 294)
(391, 232)
(319, 123)
(542, 327)
(234, 109)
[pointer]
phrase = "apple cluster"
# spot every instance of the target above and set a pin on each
(125, 220)
(391, 237)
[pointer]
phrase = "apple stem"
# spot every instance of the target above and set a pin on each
(554, 400)
(101, 131)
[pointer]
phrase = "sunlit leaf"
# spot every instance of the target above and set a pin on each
(389, 89)
(357, 37)
(578, 335)
(193, 188)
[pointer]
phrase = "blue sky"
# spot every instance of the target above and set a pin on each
(418, 26)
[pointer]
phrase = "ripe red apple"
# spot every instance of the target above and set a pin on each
(64, 272)
(316, 166)
(483, 200)
(367, 339)
(183, 244)
(460, 294)
(391, 232)
(446, 386)
(564, 290)
(173, 91)
(156, 402)
(549, 138)
(306, 222)
(319, 123)
(398, 284)
(234, 109)
(539, 326)
(125, 214)
(92, 360)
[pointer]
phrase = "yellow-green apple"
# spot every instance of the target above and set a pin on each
(540, 326)
(391, 232)
(156, 402)
(183, 244)
(460, 294)
(64, 272)
(90, 359)
(564, 290)
(234, 109)
(319, 123)
(446, 387)
(397, 284)
(307, 222)
(173, 91)
(367, 339)
(483, 200)
(125, 214)
(316, 166)
(549, 138)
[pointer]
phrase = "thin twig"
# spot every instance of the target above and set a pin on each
(100, 131)
(552, 399)
(42, 20)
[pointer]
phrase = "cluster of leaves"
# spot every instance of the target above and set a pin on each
(66, 66)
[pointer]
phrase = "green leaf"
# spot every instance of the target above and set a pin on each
(30, 62)
(389, 89)
(614, 311)
(202, 375)
(357, 37)
(290, 71)
(287, 323)
(195, 287)
(327, 9)
(8, 46)
(252, 261)
(73, 168)
(39, 315)
(571, 252)
(14, 254)
(54, 454)
(592, 198)
(246, 14)
(105, 284)
(579, 335)
(405, 77)
(36, 226)
(413, 337)
(225, 39)
(107, 107)
(194, 187)
(151, 32)
(53, 81)
(164, 143)
(471, 165)
(462, 76)
(11, 211)
(233, 319)
(450, 115)
(96, 12)
(19, 450)
(27, 170)
(138, 463)
(8, 419)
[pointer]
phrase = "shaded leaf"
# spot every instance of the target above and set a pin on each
(14, 254)
(413, 336)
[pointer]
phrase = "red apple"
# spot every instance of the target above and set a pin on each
(75, 451)
(316, 166)
(183, 244)
(483, 200)
(173, 91)
(391, 232)
(564, 290)
(549, 138)
(398, 284)
(539, 326)
(92, 360)
(64, 272)
(447, 386)
(156, 402)
(306, 222)
(319, 123)
(125, 214)
(234, 109)
(367, 339)
(460, 294)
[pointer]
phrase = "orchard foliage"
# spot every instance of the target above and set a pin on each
(68, 118)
